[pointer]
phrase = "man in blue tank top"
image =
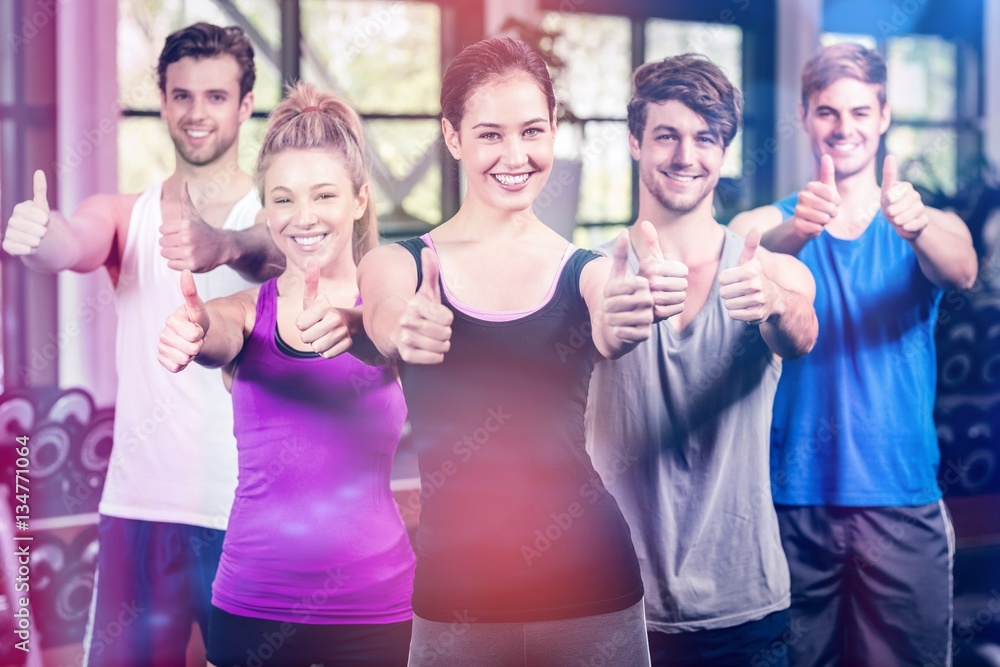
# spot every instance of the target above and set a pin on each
(679, 427)
(854, 455)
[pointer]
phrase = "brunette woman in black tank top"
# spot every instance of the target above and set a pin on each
(523, 558)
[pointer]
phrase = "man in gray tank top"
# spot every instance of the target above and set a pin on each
(679, 428)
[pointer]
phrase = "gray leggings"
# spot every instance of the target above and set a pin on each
(618, 639)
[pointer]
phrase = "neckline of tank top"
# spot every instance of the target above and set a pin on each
(501, 315)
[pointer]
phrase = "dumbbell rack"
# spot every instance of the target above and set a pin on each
(70, 445)
(967, 411)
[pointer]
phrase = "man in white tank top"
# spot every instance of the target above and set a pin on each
(679, 428)
(172, 473)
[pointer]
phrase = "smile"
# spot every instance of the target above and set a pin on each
(511, 179)
(844, 147)
(680, 178)
(197, 134)
(309, 240)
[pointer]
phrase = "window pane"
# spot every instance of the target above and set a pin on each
(922, 78)
(606, 191)
(384, 56)
(143, 27)
(926, 156)
(146, 153)
(407, 168)
(720, 42)
(595, 81)
(831, 38)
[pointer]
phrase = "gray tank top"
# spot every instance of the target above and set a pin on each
(679, 430)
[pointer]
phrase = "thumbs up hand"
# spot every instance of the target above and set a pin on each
(818, 202)
(29, 221)
(424, 332)
(628, 301)
(188, 242)
(184, 334)
(746, 291)
(322, 326)
(667, 278)
(901, 204)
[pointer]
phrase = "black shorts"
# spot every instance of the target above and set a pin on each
(242, 641)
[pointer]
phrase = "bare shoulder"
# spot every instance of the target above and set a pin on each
(764, 218)
(390, 264)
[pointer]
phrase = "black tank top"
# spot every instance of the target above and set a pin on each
(515, 524)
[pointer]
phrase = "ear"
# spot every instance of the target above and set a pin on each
(634, 147)
(802, 114)
(246, 107)
(361, 201)
(451, 139)
(885, 119)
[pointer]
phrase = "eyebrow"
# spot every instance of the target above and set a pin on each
(670, 128)
(210, 91)
(827, 107)
(318, 186)
(498, 126)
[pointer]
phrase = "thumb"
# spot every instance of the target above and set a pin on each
(750, 246)
(889, 172)
(619, 256)
(430, 286)
(827, 172)
(312, 283)
(41, 190)
(650, 241)
(188, 211)
(192, 302)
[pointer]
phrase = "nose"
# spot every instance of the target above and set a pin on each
(515, 154)
(683, 152)
(198, 106)
(845, 126)
(305, 215)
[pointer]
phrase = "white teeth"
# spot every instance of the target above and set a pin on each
(197, 134)
(308, 240)
(846, 148)
(678, 177)
(507, 179)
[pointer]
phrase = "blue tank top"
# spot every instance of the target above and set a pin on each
(853, 419)
(515, 523)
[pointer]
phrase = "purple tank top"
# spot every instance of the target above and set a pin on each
(314, 535)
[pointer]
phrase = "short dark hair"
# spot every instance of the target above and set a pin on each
(484, 62)
(204, 40)
(845, 60)
(693, 80)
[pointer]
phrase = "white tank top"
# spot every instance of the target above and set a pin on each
(174, 456)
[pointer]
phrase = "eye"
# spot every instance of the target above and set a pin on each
(180, 96)
(706, 140)
(281, 200)
(218, 98)
(489, 136)
(664, 137)
(533, 132)
(326, 195)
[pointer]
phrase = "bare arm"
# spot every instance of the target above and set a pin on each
(620, 304)
(211, 334)
(47, 241)
(774, 291)
(945, 252)
(404, 322)
(189, 242)
(792, 329)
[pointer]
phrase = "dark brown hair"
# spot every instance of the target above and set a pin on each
(485, 62)
(846, 60)
(693, 80)
(204, 40)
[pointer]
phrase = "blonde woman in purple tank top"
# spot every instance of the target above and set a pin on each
(316, 564)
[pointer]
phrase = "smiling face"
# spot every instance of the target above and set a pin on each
(845, 120)
(311, 206)
(202, 107)
(505, 143)
(680, 157)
